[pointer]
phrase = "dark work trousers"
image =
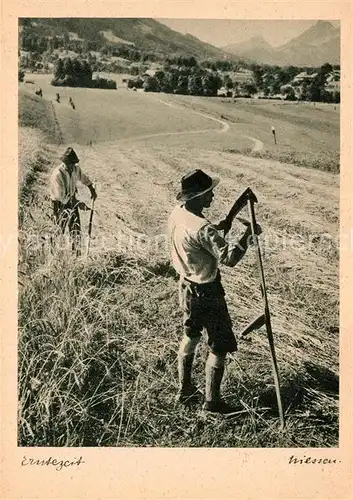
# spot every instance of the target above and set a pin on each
(67, 216)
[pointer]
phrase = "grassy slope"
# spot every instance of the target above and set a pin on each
(37, 133)
(38, 113)
(307, 134)
(86, 377)
(124, 114)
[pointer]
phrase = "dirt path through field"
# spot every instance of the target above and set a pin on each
(302, 127)
(258, 145)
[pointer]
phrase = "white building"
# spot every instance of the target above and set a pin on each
(302, 77)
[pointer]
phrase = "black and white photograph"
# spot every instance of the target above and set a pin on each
(178, 233)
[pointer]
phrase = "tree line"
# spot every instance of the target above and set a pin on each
(184, 75)
(180, 80)
(75, 73)
(272, 80)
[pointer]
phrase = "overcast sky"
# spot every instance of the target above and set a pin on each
(221, 32)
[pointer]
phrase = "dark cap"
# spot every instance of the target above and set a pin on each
(70, 156)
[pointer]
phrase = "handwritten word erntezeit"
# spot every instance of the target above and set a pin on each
(309, 460)
(58, 464)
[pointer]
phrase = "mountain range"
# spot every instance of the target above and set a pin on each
(317, 45)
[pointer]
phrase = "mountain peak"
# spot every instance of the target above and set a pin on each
(314, 47)
(323, 23)
(253, 43)
(258, 40)
(318, 33)
(322, 27)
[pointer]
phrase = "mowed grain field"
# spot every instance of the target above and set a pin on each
(99, 336)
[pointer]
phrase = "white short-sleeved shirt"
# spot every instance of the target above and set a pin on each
(197, 247)
(63, 185)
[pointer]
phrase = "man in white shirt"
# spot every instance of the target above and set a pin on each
(63, 188)
(197, 249)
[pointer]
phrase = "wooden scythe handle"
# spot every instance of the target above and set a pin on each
(90, 227)
(267, 310)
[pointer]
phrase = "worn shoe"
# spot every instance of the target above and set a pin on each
(218, 406)
(187, 394)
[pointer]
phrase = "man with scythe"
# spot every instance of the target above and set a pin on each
(63, 189)
(197, 249)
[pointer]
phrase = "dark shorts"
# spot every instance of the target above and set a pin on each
(204, 306)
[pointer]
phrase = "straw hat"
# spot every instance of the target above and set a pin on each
(196, 183)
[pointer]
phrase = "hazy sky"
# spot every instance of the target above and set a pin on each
(221, 32)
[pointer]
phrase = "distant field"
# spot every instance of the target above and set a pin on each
(304, 126)
(86, 377)
(307, 133)
(111, 115)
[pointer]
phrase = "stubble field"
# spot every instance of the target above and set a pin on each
(98, 337)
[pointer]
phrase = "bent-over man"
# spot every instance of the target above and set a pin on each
(63, 188)
(197, 249)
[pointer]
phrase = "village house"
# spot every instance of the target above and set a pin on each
(242, 76)
(303, 77)
(333, 81)
(149, 72)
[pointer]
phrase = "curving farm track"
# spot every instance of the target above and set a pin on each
(258, 145)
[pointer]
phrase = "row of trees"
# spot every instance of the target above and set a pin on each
(180, 80)
(272, 80)
(184, 75)
(78, 73)
(196, 80)
(316, 89)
